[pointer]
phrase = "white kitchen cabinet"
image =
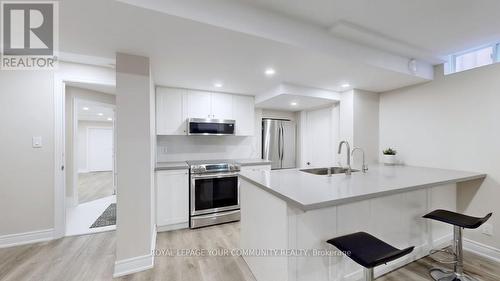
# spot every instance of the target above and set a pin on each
(244, 115)
(256, 168)
(222, 106)
(170, 113)
(199, 104)
(209, 105)
(172, 199)
(174, 106)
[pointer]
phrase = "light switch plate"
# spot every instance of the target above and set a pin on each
(37, 142)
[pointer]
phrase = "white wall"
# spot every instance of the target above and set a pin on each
(366, 125)
(82, 141)
(135, 161)
(359, 118)
(451, 122)
(26, 173)
(346, 112)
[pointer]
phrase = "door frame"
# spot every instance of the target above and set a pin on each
(75, 172)
(60, 80)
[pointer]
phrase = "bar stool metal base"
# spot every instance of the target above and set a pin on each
(369, 275)
(439, 274)
(457, 274)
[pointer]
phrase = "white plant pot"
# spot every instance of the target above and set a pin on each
(390, 159)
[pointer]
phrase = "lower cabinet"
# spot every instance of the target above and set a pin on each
(172, 199)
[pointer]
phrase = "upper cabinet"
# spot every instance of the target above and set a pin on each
(209, 105)
(170, 114)
(175, 106)
(222, 107)
(244, 115)
(199, 104)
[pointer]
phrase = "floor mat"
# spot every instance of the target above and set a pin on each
(108, 217)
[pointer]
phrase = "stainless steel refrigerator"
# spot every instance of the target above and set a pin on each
(278, 143)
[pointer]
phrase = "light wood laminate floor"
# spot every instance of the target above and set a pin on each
(95, 185)
(91, 257)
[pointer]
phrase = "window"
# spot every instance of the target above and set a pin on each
(473, 58)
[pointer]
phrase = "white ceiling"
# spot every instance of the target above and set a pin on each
(284, 102)
(431, 27)
(90, 111)
(185, 53)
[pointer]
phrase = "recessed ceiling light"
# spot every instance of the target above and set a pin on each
(218, 85)
(85, 108)
(345, 85)
(100, 114)
(293, 103)
(110, 119)
(270, 72)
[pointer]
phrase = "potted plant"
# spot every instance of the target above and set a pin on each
(389, 156)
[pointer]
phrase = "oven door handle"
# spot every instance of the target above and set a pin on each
(226, 175)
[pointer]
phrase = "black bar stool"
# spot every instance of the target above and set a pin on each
(459, 222)
(367, 251)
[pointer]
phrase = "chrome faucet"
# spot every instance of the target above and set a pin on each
(349, 170)
(364, 168)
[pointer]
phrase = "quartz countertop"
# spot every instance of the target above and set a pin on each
(307, 191)
(252, 162)
(176, 165)
(181, 165)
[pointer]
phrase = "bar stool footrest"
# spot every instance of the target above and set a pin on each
(452, 260)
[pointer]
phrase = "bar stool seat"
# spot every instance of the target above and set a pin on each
(367, 250)
(457, 219)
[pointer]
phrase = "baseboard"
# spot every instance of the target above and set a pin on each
(133, 265)
(153, 239)
(136, 264)
(443, 242)
(17, 239)
(482, 250)
(171, 227)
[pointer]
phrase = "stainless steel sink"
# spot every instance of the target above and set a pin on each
(324, 171)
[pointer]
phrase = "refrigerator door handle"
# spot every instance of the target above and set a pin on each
(279, 143)
(282, 143)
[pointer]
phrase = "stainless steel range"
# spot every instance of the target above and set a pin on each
(214, 192)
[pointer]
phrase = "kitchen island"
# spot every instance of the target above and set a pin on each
(295, 210)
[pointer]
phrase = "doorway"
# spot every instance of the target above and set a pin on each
(90, 160)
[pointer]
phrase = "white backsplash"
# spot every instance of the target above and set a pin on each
(182, 148)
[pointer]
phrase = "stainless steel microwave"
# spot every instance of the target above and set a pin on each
(210, 127)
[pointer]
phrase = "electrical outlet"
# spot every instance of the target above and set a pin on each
(487, 229)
